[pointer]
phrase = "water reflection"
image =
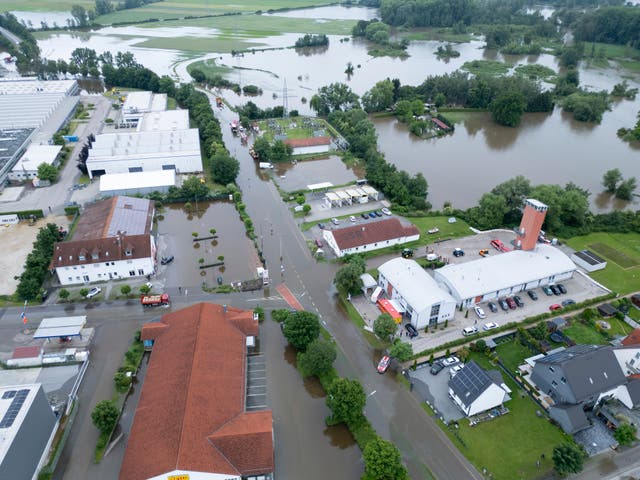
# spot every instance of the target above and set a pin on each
(311, 51)
(314, 388)
(339, 436)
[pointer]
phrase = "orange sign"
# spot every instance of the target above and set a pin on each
(184, 476)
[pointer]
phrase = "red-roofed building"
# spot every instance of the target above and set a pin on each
(26, 356)
(191, 417)
(370, 236)
(633, 339)
(302, 146)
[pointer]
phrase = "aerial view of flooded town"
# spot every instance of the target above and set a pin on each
(302, 239)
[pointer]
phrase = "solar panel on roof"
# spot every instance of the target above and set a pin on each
(14, 408)
(9, 394)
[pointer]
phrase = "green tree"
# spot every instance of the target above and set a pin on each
(125, 289)
(379, 98)
(384, 326)
(348, 278)
(514, 191)
(145, 289)
(490, 211)
(84, 292)
(439, 100)
(224, 168)
(382, 461)
(301, 328)
(79, 15)
(262, 147)
(104, 416)
(626, 189)
(625, 434)
(346, 400)
(507, 108)
(122, 381)
(47, 172)
(403, 351)
(306, 208)
(280, 151)
(318, 358)
(568, 458)
(336, 96)
(63, 293)
(194, 188)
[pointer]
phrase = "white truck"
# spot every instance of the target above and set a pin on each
(265, 165)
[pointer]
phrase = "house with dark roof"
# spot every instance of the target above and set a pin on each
(113, 239)
(192, 419)
(475, 390)
(370, 236)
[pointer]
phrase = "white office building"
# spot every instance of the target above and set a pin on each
(138, 103)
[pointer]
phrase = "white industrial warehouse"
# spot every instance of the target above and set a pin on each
(139, 103)
(139, 183)
(423, 301)
(27, 166)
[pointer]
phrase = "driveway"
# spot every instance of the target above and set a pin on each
(434, 389)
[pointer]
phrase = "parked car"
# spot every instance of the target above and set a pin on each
(352, 218)
(364, 215)
(479, 312)
(484, 252)
(547, 290)
(490, 326)
(503, 304)
(411, 330)
(497, 244)
(386, 211)
(372, 214)
(335, 221)
(555, 306)
(321, 226)
(458, 252)
(452, 360)
(436, 368)
(384, 364)
(562, 288)
(455, 369)
(532, 295)
(378, 213)
(555, 289)
(511, 302)
(492, 306)
(567, 302)
(166, 260)
(318, 243)
(93, 292)
(407, 253)
(518, 300)
(466, 331)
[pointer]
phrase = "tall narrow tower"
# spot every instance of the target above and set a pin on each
(531, 223)
(285, 100)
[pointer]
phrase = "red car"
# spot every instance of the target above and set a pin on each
(498, 245)
(384, 364)
(555, 306)
(511, 302)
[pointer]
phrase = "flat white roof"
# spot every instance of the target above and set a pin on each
(16, 405)
(31, 85)
(355, 192)
(137, 102)
(319, 186)
(505, 270)
(368, 189)
(536, 203)
(164, 121)
(332, 196)
(343, 195)
(119, 146)
(124, 181)
(60, 327)
(36, 155)
(413, 283)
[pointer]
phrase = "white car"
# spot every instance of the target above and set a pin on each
(386, 211)
(93, 292)
(452, 360)
(335, 221)
(490, 326)
(352, 218)
(479, 312)
(454, 370)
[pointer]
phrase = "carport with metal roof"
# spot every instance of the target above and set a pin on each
(60, 327)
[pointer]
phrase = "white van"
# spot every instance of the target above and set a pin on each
(466, 331)
(265, 165)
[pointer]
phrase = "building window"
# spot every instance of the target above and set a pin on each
(70, 278)
(435, 310)
(551, 369)
(107, 264)
(135, 169)
(81, 258)
(140, 271)
(168, 167)
(94, 256)
(82, 267)
(132, 273)
(554, 384)
(563, 380)
(128, 253)
(85, 278)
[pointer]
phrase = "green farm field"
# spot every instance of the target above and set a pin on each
(43, 5)
(182, 8)
(622, 252)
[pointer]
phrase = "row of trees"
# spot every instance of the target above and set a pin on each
(83, 17)
(274, 153)
(614, 183)
(37, 263)
(312, 41)
(619, 25)
(27, 52)
(345, 399)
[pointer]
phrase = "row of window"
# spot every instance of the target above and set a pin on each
(85, 278)
(139, 169)
(96, 265)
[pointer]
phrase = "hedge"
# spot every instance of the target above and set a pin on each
(26, 214)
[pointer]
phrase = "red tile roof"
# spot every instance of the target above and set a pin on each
(308, 142)
(632, 339)
(103, 249)
(378, 231)
(26, 352)
(191, 410)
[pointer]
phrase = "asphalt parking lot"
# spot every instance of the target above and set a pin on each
(434, 389)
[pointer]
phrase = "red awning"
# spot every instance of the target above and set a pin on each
(385, 307)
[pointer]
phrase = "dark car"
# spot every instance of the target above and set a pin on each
(458, 252)
(321, 226)
(562, 288)
(364, 215)
(511, 303)
(547, 291)
(372, 214)
(378, 213)
(503, 304)
(436, 368)
(555, 289)
(166, 260)
(492, 306)
(518, 301)
(411, 330)
(532, 295)
(567, 302)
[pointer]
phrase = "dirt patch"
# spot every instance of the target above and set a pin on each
(17, 243)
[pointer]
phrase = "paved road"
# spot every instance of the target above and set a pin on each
(393, 411)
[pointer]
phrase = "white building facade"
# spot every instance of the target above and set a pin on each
(27, 167)
(423, 301)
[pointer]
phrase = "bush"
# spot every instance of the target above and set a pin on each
(105, 415)
(122, 381)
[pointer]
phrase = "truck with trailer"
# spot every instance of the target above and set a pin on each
(159, 300)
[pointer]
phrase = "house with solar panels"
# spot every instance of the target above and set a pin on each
(27, 428)
(475, 390)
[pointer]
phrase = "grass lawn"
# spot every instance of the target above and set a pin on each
(198, 44)
(209, 68)
(509, 446)
(512, 354)
(43, 5)
(182, 8)
(447, 230)
(634, 313)
(584, 334)
(295, 127)
(614, 247)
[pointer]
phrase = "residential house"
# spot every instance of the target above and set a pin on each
(475, 390)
